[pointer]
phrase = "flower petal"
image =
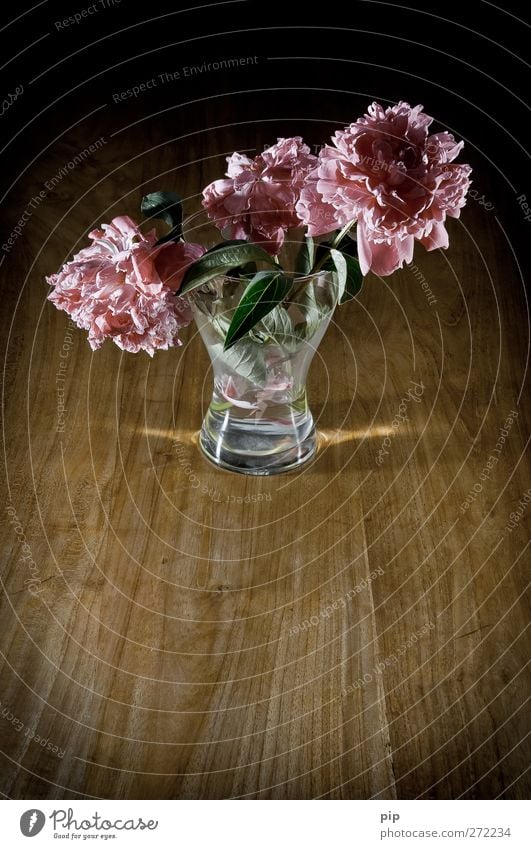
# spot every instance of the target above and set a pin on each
(436, 238)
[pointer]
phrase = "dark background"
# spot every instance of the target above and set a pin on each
(314, 71)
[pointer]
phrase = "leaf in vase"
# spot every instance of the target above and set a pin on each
(221, 323)
(308, 306)
(306, 257)
(226, 244)
(354, 280)
(264, 292)
(243, 359)
(279, 328)
(340, 264)
(219, 260)
(349, 274)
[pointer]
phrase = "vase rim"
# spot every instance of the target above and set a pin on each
(291, 274)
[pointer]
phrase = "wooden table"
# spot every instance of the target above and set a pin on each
(354, 631)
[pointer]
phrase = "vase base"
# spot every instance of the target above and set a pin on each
(253, 452)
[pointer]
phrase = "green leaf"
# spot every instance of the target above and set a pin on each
(341, 267)
(168, 206)
(349, 274)
(264, 292)
(221, 323)
(354, 280)
(227, 244)
(219, 260)
(307, 304)
(197, 279)
(306, 257)
(232, 255)
(278, 328)
(242, 359)
(246, 270)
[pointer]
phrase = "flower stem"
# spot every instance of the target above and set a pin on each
(342, 233)
(297, 287)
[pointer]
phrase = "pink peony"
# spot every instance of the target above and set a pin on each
(123, 287)
(397, 181)
(318, 216)
(257, 200)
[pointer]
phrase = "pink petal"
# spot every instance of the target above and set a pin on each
(382, 258)
(436, 238)
(125, 225)
(364, 249)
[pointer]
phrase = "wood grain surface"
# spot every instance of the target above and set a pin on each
(348, 631)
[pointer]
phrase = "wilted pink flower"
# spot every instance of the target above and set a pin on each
(123, 287)
(397, 181)
(257, 200)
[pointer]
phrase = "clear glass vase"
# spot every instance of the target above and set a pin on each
(258, 421)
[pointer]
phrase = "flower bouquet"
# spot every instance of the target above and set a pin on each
(358, 206)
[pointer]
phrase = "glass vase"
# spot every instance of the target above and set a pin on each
(258, 421)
